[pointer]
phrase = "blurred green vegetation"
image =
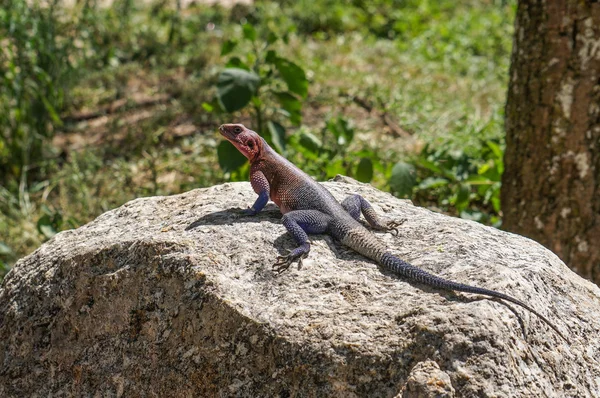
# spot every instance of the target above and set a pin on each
(99, 105)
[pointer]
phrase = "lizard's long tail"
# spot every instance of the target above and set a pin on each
(415, 274)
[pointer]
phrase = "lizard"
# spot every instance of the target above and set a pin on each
(309, 208)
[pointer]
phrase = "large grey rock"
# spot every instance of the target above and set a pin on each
(174, 297)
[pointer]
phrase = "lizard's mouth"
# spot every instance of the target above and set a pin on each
(225, 133)
(228, 131)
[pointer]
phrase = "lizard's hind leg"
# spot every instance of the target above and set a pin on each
(300, 223)
(352, 206)
(356, 204)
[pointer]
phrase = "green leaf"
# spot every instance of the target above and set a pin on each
(462, 197)
(51, 111)
(45, 227)
(475, 179)
(364, 170)
(403, 179)
(4, 249)
(429, 165)
(310, 141)
(228, 46)
(207, 107)
(241, 174)
(495, 148)
(473, 215)
(334, 168)
(342, 129)
(291, 105)
(433, 182)
(235, 88)
(236, 62)
(230, 159)
(293, 75)
(277, 135)
(499, 157)
(271, 57)
(495, 200)
(249, 32)
(271, 37)
(489, 171)
(47, 231)
(500, 167)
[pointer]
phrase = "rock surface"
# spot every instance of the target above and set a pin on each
(174, 296)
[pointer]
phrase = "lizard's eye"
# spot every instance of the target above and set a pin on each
(237, 130)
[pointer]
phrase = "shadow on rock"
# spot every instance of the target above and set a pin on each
(235, 215)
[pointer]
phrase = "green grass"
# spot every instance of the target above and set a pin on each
(439, 68)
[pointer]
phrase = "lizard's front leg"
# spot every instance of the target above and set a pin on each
(356, 204)
(299, 223)
(260, 184)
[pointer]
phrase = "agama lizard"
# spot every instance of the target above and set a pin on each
(309, 208)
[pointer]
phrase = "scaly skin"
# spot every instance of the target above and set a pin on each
(309, 208)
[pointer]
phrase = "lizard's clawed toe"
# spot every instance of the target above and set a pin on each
(284, 262)
(281, 265)
(392, 226)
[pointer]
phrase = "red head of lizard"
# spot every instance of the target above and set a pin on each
(245, 140)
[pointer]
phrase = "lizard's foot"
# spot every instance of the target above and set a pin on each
(392, 226)
(284, 262)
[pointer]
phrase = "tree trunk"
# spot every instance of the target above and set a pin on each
(551, 183)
